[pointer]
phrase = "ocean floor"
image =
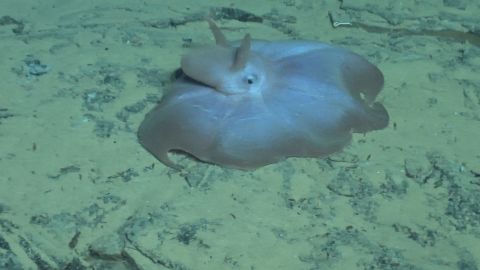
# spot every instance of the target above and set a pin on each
(77, 190)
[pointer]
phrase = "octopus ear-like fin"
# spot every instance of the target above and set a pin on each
(241, 54)
(220, 38)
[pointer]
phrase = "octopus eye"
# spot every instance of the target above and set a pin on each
(251, 79)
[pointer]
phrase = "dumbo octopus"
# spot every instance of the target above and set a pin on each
(250, 103)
